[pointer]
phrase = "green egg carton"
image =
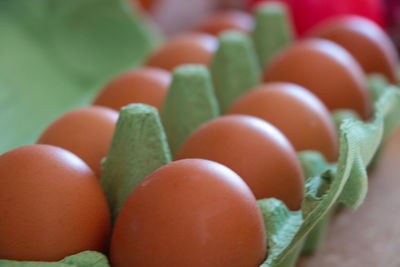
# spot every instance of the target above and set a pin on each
(56, 54)
(145, 140)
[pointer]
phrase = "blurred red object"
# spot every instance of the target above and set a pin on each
(307, 13)
(393, 19)
(176, 16)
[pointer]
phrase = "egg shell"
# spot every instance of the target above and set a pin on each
(327, 70)
(189, 48)
(51, 205)
(86, 132)
(255, 150)
(296, 112)
(226, 20)
(144, 85)
(366, 42)
(190, 212)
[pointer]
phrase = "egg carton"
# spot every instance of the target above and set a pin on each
(144, 141)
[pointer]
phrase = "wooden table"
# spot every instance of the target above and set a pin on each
(370, 236)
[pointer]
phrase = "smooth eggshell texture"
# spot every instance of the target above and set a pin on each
(144, 85)
(226, 20)
(190, 212)
(86, 132)
(189, 48)
(255, 150)
(366, 42)
(51, 205)
(296, 112)
(327, 70)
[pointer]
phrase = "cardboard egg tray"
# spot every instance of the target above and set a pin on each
(199, 94)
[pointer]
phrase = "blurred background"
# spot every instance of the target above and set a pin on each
(174, 16)
(56, 54)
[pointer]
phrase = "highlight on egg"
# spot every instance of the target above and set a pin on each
(190, 212)
(296, 112)
(366, 42)
(256, 150)
(327, 70)
(143, 85)
(86, 132)
(52, 205)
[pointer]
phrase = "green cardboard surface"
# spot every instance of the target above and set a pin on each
(272, 31)
(57, 53)
(139, 147)
(83, 259)
(346, 182)
(234, 68)
(189, 103)
(54, 56)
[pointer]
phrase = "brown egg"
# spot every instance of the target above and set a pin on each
(144, 85)
(296, 112)
(190, 212)
(51, 205)
(366, 42)
(255, 150)
(189, 48)
(146, 4)
(86, 132)
(226, 20)
(327, 70)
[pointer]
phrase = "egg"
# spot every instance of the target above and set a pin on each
(144, 85)
(51, 205)
(226, 20)
(86, 132)
(296, 112)
(255, 150)
(189, 48)
(366, 42)
(190, 212)
(327, 70)
(146, 4)
(307, 13)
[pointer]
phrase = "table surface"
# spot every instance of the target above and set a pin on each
(369, 236)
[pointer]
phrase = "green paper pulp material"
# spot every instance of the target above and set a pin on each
(340, 115)
(55, 54)
(314, 166)
(377, 85)
(291, 259)
(234, 68)
(83, 259)
(318, 175)
(189, 103)
(313, 163)
(272, 31)
(281, 226)
(317, 235)
(139, 147)
(347, 183)
(389, 103)
(151, 29)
